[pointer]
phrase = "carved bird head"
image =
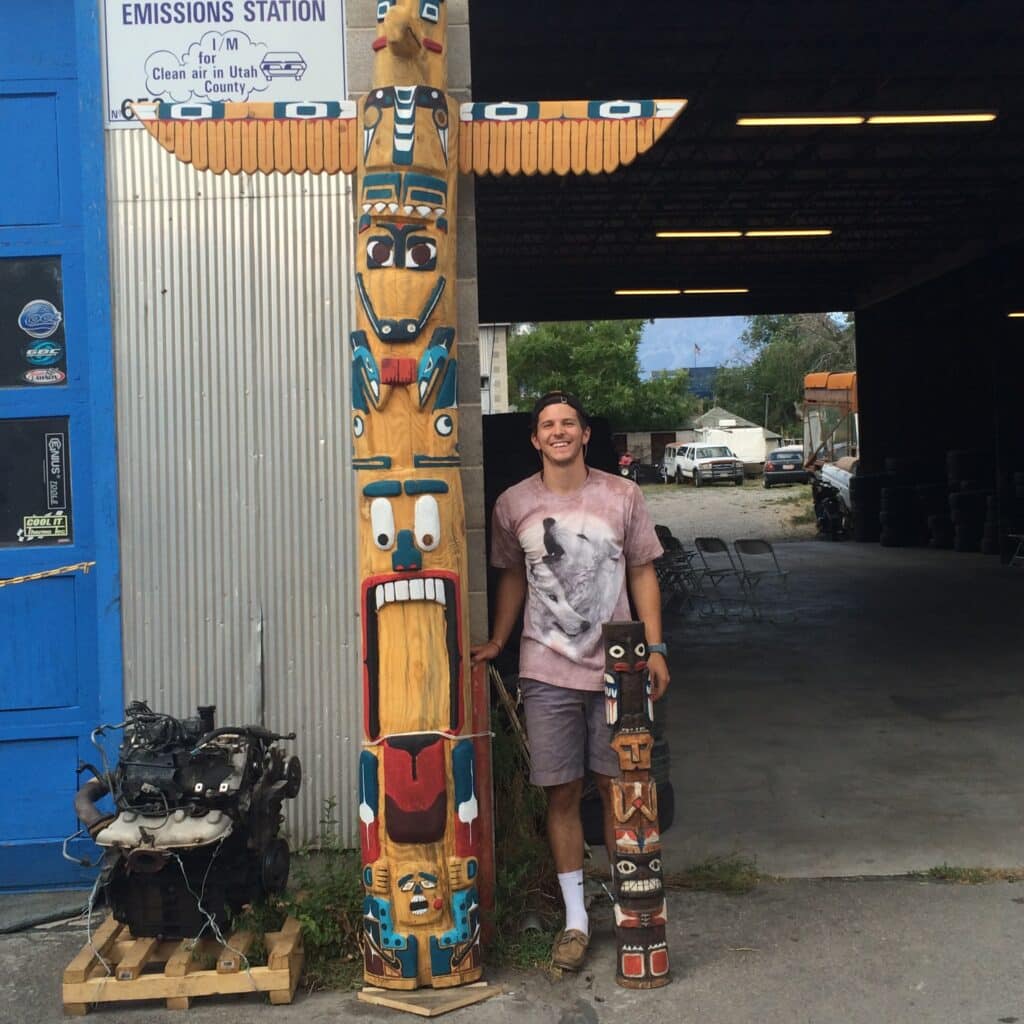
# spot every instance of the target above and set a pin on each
(410, 43)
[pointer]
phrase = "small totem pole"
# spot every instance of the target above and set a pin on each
(406, 141)
(642, 960)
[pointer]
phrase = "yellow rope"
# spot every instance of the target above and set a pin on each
(83, 566)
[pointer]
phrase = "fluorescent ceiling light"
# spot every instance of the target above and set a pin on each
(716, 291)
(700, 234)
(906, 117)
(791, 233)
(967, 117)
(648, 291)
(768, 233)
(786, 120)
(1016, 316)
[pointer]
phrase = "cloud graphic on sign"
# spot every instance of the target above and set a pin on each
(220, 66)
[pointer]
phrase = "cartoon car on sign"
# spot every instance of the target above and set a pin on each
(283, 64)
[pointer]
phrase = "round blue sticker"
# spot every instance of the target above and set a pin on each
(44, 353)
(39, 318)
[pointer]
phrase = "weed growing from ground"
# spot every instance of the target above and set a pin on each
(718, 874)
(799, 506)
(970, 876)
(325, 895)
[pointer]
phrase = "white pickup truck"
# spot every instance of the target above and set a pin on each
(701, 463)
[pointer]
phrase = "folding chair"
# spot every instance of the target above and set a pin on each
(761, 573)
(675, 575)
(718, 579)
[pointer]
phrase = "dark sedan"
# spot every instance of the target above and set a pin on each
(785, 466)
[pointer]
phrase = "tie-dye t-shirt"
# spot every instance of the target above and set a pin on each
(576, 549)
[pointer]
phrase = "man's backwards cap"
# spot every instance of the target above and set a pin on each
(558, 398)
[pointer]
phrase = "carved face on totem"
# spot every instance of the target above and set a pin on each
(638, 876)
(627, 686)
(419, 895)
(412, 615)
(633, 750)
(405, 265)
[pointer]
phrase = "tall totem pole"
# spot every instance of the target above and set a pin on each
(640, 918)
(419, 820)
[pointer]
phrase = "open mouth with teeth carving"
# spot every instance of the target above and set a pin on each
(431, 591)
(640, 886)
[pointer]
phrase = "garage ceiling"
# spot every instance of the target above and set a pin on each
(903, 203)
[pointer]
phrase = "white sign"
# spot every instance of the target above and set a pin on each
(231, 51)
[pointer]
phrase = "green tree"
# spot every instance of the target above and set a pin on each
(783, 349)
(597, 361)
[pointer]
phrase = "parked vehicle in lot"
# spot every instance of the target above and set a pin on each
(785, 466)
(701, 463)
(639, 472)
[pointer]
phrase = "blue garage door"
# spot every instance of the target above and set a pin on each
(60, 660)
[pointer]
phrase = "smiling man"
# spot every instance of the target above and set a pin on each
(573, 544)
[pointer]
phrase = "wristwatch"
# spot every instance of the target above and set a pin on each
(658, 649)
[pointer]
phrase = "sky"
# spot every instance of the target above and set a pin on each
(668, 344)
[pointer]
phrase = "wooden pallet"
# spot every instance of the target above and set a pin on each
(179, 971)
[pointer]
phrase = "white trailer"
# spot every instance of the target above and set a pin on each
(748, 444)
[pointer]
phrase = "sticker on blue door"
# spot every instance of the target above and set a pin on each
(35, 482)
(32, 341)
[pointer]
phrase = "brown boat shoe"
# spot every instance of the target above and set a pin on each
(569, 949)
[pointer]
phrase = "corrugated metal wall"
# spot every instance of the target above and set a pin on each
(231, 310)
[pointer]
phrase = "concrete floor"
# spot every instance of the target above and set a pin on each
(886, 951)
(879, 733)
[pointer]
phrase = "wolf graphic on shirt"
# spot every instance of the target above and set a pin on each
(573, 570)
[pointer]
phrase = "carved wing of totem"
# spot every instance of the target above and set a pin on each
(560, 136)
(292, 137)
(529, 137)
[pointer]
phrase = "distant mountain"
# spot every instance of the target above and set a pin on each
(668, 344)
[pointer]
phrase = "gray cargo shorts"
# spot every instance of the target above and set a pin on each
(568, 733)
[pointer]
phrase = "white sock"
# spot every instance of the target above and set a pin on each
(572, 895)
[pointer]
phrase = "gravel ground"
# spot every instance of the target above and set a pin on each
(729, 512)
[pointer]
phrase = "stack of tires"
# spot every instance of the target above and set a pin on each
(972, 505)
(934, 502)
(900, 517)
(911, 491)
(866, 505)
(969, 511)
(990, 529)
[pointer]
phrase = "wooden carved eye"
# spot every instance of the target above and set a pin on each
(382, 9)
(428, 523)
(625, 867)
(421, 254)
(380, 252)
(382, 522)
(444, 425)
(429, 10)
(640, 650)
(617, 651)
